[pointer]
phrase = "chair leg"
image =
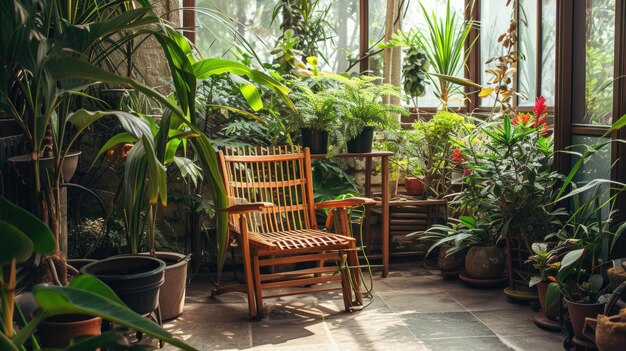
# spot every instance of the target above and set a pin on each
(345, 284)
(257, 286)
(353, 261)
(252, 307)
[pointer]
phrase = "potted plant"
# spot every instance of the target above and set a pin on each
(544, 261)
(510, 184)
(364, 110)
(317, 111)
(85, 301)
(484, 259)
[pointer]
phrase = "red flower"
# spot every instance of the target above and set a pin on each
(521, 119)
(466, 171)
(457, 157)
(540, 107)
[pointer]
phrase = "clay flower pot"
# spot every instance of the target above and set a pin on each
(553, 311)
(451, 263)
(59, 331)
(579, 311)
(485, 262)
(414, 186)
(172, 294)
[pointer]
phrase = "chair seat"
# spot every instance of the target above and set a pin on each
(301, 239)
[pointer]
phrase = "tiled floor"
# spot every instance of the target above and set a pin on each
(412, 309)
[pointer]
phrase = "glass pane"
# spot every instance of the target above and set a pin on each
(599, 55)
(252, 18)
(548, 50)
(415, 19)
(343, 17)
(598, 166)
(494, 21)
(526, 83)
(376, 30)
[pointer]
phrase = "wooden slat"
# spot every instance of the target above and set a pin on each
(301, 291)
(298, 274)
(297, 282)
(296, 259)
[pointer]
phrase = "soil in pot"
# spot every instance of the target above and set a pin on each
(362, 143)
(172, 295)
(315, 140)
(485, 262)
(579, 311)
(59, 331)
(414, 186)
(135, 279)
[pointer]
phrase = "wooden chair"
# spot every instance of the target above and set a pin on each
(272, 212)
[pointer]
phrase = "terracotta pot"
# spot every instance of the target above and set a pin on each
(553, 311)
(414, 186)
(172, 295)
(59, 331)
(579, 311)
(609, 333)
(485, 262)
(450, 263)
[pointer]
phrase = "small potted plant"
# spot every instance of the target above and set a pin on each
(364, 110)
(484, 259)
(317, 112)
(544, 261)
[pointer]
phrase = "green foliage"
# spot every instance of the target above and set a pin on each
(361, 104)
(464, 234)
(414, 72)
(306, 19)
(330, 180)
(317, 104)
(444, 43)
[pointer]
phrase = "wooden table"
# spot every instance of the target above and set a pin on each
(384, 203)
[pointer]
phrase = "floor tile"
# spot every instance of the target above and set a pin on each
(427, 326)
(466, 344)
(509, 322)
(410, 302)
(547, 342)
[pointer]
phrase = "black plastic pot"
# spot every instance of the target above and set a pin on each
(135, 279)
(362, 143)
(316, 140)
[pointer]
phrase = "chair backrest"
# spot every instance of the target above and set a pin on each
(276, 174)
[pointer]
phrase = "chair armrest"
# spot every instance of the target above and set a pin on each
(246, 208)
(347, 202)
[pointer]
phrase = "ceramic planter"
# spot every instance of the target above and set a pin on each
(362, 143)
(414, 186)
(135, 279)
(315, 140)
(485, 262)
(579, 311)
(59, 331)
(23, 164)
(172, 295)
(451, 263)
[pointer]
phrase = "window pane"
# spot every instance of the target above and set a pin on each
(253, 18)
(599, 41)
(494, 20)
(598, 166)
(343, 17)
(415, 19)
(526, 83)
(548, 50)
(376, 30)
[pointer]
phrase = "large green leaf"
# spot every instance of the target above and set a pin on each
(88, 282)
(121, 138)
(15, 244)
(43, 240)
(571, 258)
(552, 294)
(55, 300)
